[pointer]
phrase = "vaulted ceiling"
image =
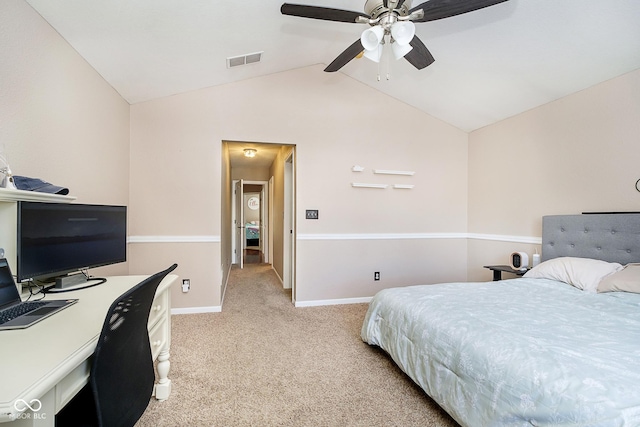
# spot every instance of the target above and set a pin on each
(490, 64)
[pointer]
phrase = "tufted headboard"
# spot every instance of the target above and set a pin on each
(608, 237)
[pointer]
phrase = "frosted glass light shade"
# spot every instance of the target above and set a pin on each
(374, 54)
(371, 37)
(403, 32)
(400, 50)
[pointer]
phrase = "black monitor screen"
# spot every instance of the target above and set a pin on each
(55, 239)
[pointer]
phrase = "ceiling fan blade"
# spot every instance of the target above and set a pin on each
(440, 9)
(346, 56)
(419, 56)
(324, 13)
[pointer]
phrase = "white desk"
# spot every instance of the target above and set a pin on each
(47, 364)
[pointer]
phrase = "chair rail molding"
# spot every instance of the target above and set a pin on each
(403, 236)
(174, 239)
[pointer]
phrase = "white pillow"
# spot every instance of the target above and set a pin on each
(583, 273)
(626, 280)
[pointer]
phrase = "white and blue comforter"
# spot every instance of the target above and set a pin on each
(518, 352)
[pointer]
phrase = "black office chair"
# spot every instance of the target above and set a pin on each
(122, 375)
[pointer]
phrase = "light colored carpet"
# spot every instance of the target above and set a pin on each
(262, 362)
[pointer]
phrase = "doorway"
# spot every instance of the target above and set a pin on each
(250, 221)
(262, 207)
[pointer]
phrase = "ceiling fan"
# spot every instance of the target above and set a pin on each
(390, 21)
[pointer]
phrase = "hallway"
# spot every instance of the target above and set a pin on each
(253, 256)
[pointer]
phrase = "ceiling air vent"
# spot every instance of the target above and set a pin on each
(250, 58)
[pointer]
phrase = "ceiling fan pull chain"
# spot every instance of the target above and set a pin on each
(388, 62)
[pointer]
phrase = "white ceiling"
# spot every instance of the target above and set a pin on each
(490, 64)
(265, 154)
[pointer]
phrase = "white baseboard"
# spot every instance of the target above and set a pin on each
(224, 290)
(278, 276)
(317, 303)
(197, 310)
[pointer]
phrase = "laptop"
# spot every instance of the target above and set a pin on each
(16, 314)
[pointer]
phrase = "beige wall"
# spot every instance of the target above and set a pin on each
(577, 154)
(59, 120)
(175, 196)
(335, 123)
(165, 159)
(250, 174)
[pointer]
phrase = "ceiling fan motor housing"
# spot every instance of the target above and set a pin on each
(376, 8)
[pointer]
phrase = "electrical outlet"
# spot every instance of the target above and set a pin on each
(311, 214)
(376, 275)
(186, 285)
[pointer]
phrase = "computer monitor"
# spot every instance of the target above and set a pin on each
(55, 239)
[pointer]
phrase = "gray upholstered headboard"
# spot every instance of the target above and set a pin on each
(609, 237)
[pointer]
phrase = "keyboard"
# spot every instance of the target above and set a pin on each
(19, 309)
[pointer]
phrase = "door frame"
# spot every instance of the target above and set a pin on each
(289, 228)
(237, 222)
(266, 224)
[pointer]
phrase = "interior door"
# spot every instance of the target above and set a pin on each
(240, 236)
(270, 226)
(264, 221)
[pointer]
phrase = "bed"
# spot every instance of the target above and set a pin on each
(252, 233)
(546, 349)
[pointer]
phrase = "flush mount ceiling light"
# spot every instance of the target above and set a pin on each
(250, 152)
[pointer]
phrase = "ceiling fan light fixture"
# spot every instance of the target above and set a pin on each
(403, 32)
(250, 152)
(399, 51)
(371, 37)
(375, 54)
(388, 17)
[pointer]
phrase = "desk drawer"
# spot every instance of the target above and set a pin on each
(70, 385)
(159, 337)
(158, 308)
